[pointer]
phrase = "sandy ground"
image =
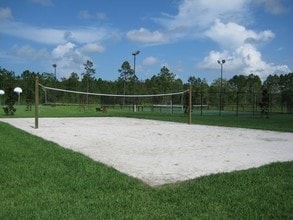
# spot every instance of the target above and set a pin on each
(163, 152)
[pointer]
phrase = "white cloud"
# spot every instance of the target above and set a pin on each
(92, 48)
(63, 50)
(210, 61)
(201, 14)
(56, 36)
(253, 62)
(232, 35)
(149, 61)
(240, 48)
(36, 34)
(68, 58)
(225, 23)
(28, 52)
(146, 36)
(70, 45)
(243, 60)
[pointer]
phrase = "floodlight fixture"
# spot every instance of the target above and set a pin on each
(134, 53)
(221, 61)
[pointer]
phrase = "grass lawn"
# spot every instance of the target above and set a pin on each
(40, 180)
(276, 122)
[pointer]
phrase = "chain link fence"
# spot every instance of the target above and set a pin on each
(239, 103)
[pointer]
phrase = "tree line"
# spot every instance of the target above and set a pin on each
(165, 81)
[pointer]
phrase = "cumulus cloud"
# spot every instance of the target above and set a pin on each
(232, 35)
(240, 48)
(225, 23)
(252, 59)
(63, 50)
(68, 58)
(244, 60)
(70, 46)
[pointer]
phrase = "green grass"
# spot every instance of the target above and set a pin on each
(40, 180)
(276, 122)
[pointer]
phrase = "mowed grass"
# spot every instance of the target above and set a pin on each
(276, 122)
(40, 180)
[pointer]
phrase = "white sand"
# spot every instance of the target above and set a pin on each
(163, 152)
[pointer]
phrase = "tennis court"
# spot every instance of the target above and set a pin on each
(163, 152)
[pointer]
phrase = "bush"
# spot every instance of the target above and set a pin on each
(9, 110)
(10, 101)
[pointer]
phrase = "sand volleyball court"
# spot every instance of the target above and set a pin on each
(163, 152)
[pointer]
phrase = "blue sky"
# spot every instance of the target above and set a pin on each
(187, 36)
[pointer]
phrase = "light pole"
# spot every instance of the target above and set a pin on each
(18, 90)
(134, 53)
(55, 66)
(134, 58)
(1, 93)
(55, 80)
(221, 62)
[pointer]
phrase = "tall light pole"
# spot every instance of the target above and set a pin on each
(221, 62)
(134, 58)
(55, 66)
(55, 79)
(134, 53)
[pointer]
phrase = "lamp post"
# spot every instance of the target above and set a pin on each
(134, 53)
(1, 93)
(221, 62)
(18, 90)
(134, 58)
(55, 66)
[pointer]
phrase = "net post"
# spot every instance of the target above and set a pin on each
(190, 104)
(37, 103)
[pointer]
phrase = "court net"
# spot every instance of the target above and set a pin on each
(161, 102)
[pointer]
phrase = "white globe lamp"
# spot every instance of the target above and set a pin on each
(18, 90)
(1, 93)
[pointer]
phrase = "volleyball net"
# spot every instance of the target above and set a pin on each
(174, 102)
(162, 102)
